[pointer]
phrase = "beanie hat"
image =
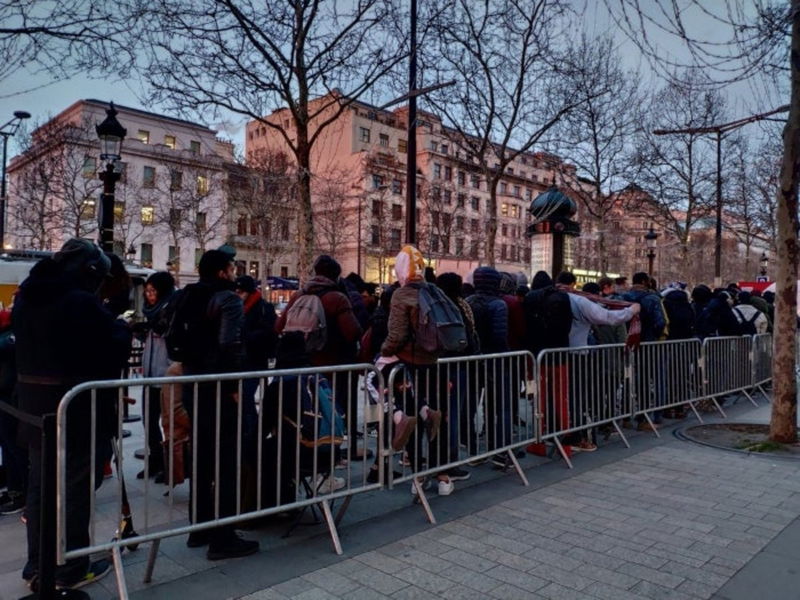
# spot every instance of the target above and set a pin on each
(744, 297)
(327, 267)
(520, 278)
(486, 279)
(450, 284)
(541, 280)
(409, 265)
(77, 255)
(245, 283)
(701, 294)
(508, 285)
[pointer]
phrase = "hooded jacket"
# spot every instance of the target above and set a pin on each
(343, 329)
(652, 316)
(489, 311)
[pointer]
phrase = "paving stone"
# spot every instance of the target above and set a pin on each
(702, 575)
(519, 579)
(425, 561)
(293, 587)
(555, 591)
(379, 560)
(412, 593)
(365, 593)
(468, 560)
(561, 577)
(268, 594)
(475, 581)
(610, 592)
(316, 594)
(509, 592)
(697, 588)
(330, 580)
(607, 576)
(378, 580)
(423, 579)
(651, 575)
(653, 591)
(639, 558)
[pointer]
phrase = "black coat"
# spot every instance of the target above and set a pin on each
(258, 334)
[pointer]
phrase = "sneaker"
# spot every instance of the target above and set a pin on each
(499, 461)
(426, 485)
(107, 472)
(403, 431)
(97, 570)
(585, 446)
(446, 487)
(198, 539)
(456, 474)
(15, 505)
(432, 424)
(235, 547)
(538, 449)
(328, 484)
(477, 462)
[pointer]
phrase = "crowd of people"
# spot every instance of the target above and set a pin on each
(65, 329)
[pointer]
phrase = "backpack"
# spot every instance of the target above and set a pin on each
(307, 315)
(441, 328)
(548, 315)
(188, 336)
(320, 421)
(747, 326)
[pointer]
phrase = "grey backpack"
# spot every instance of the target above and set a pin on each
(307, 315)
(441, 328)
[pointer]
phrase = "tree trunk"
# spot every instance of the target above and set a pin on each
(783, 424)
(305, 216)
(491, 230)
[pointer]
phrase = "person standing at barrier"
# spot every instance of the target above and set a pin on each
(494, 376)
(751, 319)
(585, 314)
(429, 387)
(158, 291)
(516, 340)
(334, 341)
(15, 456)
(206, 330)
(65, 336)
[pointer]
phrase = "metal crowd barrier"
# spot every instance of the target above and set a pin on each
(244, 464)
(727, 368)
(762, 362)
(478, 404)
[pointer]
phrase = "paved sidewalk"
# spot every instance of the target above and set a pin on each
(677, 521)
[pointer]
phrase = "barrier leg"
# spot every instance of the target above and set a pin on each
(749, 397)
(696, 413)
(342, 509)
(763, 392)
(562, 452)
(417, 483)
(326, 510)
(151, 561)
(517, 468)
(119, 573)
(652, 425)
(621, 435)
(719, 408)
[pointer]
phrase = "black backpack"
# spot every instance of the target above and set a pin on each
(548, 317)
(747, 326)
(188, 336)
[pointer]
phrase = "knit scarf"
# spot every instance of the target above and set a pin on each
(634, 325)
(251, 301)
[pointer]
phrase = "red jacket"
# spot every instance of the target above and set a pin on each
(343, 330)
(516, 322)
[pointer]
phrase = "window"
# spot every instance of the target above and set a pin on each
(475, 182)
(148, 215)
(475, 225)
(447, 218)
(143, 136)
(284, 271)
(394, 239)
(384, 140)
(241, 226)
(460, 223)
(434, 146)
(254, 226)
(377, 208)
(473, 249)
(88, 209)
(89, 169)
(448, 197)
(476, 203)
(173, 255)
(175, 218)
(436, 194)
(503, 252)
(397, 186)
(448, 173)
(397, 212)
(149, 177)
(119, 211)
(510, 171)
(402, 146)
(504, 230)
(202, 184)
(377, 182)
(445, 241)
(528, 194)
(284, 228)
(146, 255)
(363, 134)
(175, 180)
(517, 191)
(504, 209)
(461, 201)
(503, 188)
(200, 221)
(435, 218)
(194, 147)
(516, 211)
(459, 246)
(123, 172)
(375, 237)
(462, 178)
(253, 271)
(170, 142)
(437, 171)
(444, 149)
(434, 243)
(198, 254)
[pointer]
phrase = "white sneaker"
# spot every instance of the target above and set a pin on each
(446, 487)
(426, 484)
(328, 485)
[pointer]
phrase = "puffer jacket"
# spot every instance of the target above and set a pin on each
(653, 319)
(403, 321)
(343, 329)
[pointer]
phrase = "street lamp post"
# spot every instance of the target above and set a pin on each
(111, 135)
(650, 240)
(764, 262)
(8, 130)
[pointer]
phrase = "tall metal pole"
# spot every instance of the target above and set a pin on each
(109, 177)
(718, 230)
(411, 145)
(3, 197)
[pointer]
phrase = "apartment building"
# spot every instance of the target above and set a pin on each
(171, 200)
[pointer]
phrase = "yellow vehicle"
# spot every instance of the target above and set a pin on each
(15, 265)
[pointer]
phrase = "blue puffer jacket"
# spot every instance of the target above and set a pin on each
(652, 316)
(490, 311)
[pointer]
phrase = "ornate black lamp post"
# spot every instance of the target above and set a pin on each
(8, 130)
(111, 134)
(650, 240)
(764, 262)
(552, 212)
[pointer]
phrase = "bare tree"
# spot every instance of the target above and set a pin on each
(335, 223)
(598, 136)
(313, 58)
(501, 55)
